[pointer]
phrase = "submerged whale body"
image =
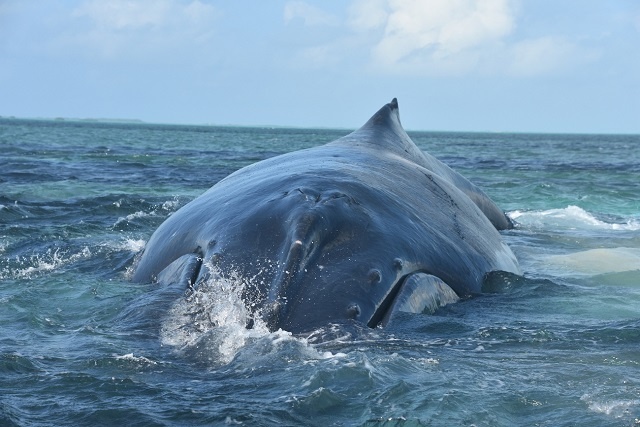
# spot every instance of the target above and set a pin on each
(361, 228)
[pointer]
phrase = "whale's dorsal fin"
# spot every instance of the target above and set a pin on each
(384, 131)
(387, 116)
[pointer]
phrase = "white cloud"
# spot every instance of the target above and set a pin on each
(412, 36)
(437, 37)
(124, 14)
(311, 15)
(365, 15)
(430, 32)
(138, 28)
(546, 55)
(539, 56)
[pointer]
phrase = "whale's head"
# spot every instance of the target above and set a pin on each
(330, 259)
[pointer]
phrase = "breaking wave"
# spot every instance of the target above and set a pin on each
(28, 266)
(571, 217)
(58, 257)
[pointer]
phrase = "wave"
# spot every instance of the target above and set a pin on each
(574, 243)
(572, 218)
(59, 256)
(26, 267)
(147, 215)
(131, 217)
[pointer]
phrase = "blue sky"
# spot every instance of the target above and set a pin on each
(455, 65)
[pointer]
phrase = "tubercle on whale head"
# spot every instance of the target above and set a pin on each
(333, 286)
(360, 297)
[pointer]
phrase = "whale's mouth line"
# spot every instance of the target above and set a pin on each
(382, 311)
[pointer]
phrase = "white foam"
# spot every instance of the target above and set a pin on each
(598, 261)
(171, 205)
(137, 359)
(616, 407)
(571, 217)
(131, 245)
(37, 264)
(130, 217)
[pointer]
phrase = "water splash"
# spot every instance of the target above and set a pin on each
(210, 325)
(212, 319)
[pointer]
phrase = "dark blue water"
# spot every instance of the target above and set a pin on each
(81, 345)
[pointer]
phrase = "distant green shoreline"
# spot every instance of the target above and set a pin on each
(286, 127)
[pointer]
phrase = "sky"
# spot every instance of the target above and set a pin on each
(454, 65)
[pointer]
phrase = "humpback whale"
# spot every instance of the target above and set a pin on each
(359, 229)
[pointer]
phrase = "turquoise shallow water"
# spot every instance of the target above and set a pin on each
(81, 345)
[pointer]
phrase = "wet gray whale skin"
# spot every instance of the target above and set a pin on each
(361, 228)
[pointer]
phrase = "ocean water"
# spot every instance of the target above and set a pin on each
(82, 345)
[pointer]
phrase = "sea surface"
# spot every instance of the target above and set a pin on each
(80, 345)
